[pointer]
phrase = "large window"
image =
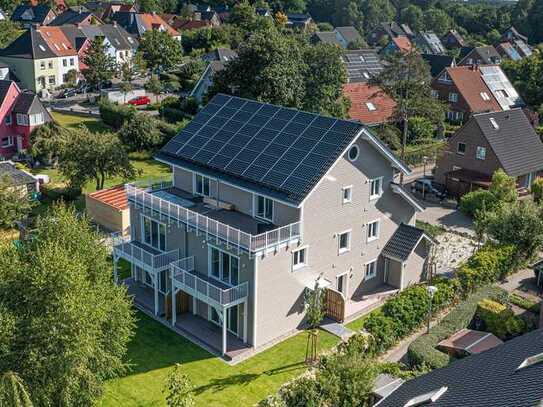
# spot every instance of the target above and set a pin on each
(461, 149)
(481, 153)
(224, 266)
(264, 207)
(36, 119)
(370, 270)
(376, 188)
(453, 97)
(6, 142)
(203, 185)
(373, 230)
(154, 233)
(22, 119)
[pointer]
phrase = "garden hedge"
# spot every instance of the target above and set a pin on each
(115, 115)
(423, 352)
(499, 319)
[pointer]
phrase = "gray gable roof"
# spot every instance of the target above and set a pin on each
(438, 62)
(31, 14)
(220, 54)
(430, 43)
(404, 241)
(362, 63)
(349, 33)
(14, 175)
(29, 45)
(119, 38)
(488, 379)
(488, 54)
(327, 37)
(515, 142)
(281, 151)
(70, 17)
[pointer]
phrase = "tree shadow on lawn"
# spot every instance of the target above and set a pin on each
(155, 347)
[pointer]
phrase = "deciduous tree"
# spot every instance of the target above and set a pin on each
(140, 133)
(178, 388)
(160, 50)
(15, 204)
(101, 67)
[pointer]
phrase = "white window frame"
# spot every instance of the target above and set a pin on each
(9, 142)
(150, 243)
(345, 290)
(377, 231)
(453, 97)
(458, 148)
(370, 275)
(201, 179)
(262, 215)
(435, 94)
(42, 65)
(377, 195)
(295, 254)
(371, 107)
(353, 147)
(221, 266)
(347, 249)
(479, 150)
(350, 198)
(22, 119)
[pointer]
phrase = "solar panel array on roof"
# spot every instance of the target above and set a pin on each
(282, 149)
(501, 87)
(362, 64)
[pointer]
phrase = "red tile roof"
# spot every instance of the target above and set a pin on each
(154, 21)
(186, 24)
(471, 86)
(57, 41)
(362, 94)
(403, 43)
(114, 197)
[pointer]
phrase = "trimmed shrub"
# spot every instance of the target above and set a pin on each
(423, 352)
(115, 115)
(499, 319)
(304, 391)
(525, 303)
(477, 200)
(173, 115)
(383, 329)
(489, 264)
(140, 133)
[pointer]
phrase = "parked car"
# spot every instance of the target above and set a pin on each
(139, 101)
(67, 93)
(428, 186)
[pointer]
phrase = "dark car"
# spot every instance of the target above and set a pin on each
(67, 93)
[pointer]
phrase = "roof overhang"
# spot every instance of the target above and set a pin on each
(385, 151)
(398, 189)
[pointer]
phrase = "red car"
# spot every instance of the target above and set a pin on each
(139, 101)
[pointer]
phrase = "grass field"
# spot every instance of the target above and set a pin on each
(155, 349)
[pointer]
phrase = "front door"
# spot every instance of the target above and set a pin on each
(342, 284)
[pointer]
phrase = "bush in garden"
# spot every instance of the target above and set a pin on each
(475, 201)
(383, 330)
(408, 309)
(302, 392)
(537, 190)
(140, 133)
(420, 130)
(115, 115)
(499, 319)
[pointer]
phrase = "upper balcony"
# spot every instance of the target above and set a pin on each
(142, 255)
(207, 289)
(219, 222)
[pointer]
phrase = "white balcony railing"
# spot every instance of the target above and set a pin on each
(124, 247)
(186, 279)
(142, 195)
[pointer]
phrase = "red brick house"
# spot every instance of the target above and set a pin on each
(488, 142)
(20, 113)
(369, 104)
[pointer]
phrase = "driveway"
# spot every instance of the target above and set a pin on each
(449, 217)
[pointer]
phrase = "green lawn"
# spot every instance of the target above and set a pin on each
(71, 121)
(155, 349)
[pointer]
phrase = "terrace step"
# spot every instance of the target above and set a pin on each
(337, 329)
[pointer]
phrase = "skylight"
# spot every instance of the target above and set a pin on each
(362, 58)
(371, 106)
(485, 96)
(41, 47)
(532, 360)
(494, 123)
(427, 398)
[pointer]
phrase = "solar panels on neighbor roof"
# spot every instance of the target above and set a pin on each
(282, 149)
(362, 64)
(501, 87)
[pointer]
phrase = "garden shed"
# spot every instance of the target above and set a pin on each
(109, 209)
(468, 342)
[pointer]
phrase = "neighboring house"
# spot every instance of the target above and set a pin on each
(20, 113)
(138, 23)
(265, 203)
(471, 89)
(78, 18)
(522, 48)
(4, 72)
(509, 375)
(388, 31)
(453, 40)
(119, 43)
(41, 58)
(27, 15)
(362, 64)
(263, 12)
(486, 143)
(507, 51)
(299, 21)
(348, 36)
(109, 209)
(486, 55)
(3, 15)
(438, 63)
(326, 37)
(429, 43)
(21, 180)
(216, 59)
(369, 104)
(397, 44)
(511, 35)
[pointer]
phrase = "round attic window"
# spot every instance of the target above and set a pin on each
(353, 153)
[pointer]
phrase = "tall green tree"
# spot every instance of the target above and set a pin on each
(9, 31)
(70, 323)
(413, 17)
(346, 13)
(13, 391)
(376, 12)
(406, 79)
(140, 133)
(94, 156)
(47, 142)
(101, 66)
(160, 50)
(15, 204)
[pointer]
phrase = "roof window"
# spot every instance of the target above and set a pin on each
(494, 123)
(532, 360)
(430, 397)
(485, 96)
(371, 107)
(42, 47)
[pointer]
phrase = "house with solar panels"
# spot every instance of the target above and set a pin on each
(265, 203)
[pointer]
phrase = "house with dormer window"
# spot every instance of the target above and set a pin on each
(264, 203)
